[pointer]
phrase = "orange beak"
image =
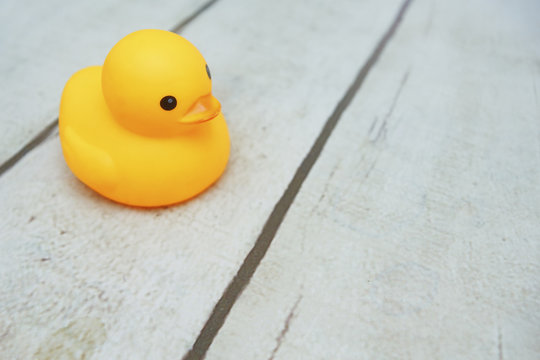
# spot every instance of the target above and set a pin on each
(204, 109)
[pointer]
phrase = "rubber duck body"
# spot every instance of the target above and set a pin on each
(144, 128)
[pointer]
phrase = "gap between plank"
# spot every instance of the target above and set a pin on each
(270, 228)
(31, 145)
(182, 24)
(49, 129)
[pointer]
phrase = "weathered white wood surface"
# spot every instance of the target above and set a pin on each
(82, 275)
(43, 42)
(417, 234)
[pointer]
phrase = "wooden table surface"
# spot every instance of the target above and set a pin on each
(382, 200)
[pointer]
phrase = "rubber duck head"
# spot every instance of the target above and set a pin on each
(156, 83)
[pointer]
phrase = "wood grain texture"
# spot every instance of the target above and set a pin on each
(124, 283)
(44, 42)
(416, 235)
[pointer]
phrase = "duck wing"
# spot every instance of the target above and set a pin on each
(89, 162)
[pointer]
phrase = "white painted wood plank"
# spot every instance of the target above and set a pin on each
(416, 236)
(42, 43)
(139, 283)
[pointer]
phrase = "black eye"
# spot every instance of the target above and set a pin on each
(208, 72)
(168, 103)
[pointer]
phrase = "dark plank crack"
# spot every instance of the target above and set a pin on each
(285, 329)
(252, 260)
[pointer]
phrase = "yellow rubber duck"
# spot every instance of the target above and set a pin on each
(144, 128)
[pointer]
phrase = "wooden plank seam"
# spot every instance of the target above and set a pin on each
(270, 228)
